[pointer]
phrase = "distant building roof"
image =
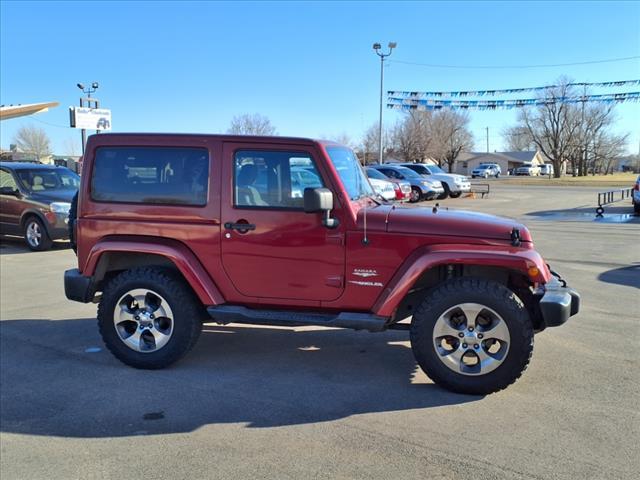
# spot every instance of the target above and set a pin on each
(525, 156)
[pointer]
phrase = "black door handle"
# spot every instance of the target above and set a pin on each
(240, 227)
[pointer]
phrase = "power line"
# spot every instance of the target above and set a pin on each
(50, 124)
(590, 62)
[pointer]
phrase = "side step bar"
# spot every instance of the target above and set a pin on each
(224, 314)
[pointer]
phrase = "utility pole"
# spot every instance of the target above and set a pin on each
(377, 47)
(584, 137)
(487, 139)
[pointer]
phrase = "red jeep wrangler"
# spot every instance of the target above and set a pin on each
(174, 230)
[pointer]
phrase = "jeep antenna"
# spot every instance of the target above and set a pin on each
(365, 240)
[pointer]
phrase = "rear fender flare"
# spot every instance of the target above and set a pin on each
(426, 258)
(176, 252)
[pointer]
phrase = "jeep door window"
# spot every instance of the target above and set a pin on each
(153, 175)
(351, 173)
(39, 180)
(273, 179)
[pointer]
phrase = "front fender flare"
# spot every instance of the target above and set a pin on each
(426, 258)
(176, 252)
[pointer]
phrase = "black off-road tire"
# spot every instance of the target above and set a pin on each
(73, 216)
(187, 317)
(45, 242)
(455, 194)
(492, 295)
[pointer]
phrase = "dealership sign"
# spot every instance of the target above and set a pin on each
(90, 118)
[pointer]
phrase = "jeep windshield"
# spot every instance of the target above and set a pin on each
(351, 173)
(41, 179)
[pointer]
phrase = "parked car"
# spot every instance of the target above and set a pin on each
(421, 188)
(196, 242)
(636, 195)
(383, 187)
(494, 165)
(35, 202)
(546, 169)
(401, 188)
(528, 168)
(485, 171)
(302, 178)
(454, 185)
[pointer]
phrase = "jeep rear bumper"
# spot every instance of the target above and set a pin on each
(77, 287)
(558, 303)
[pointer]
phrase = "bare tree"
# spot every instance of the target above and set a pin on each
(517, 139)
(371, 145)
(574, 134)
(34, 140)
(341, 138)
(598, 146)
(606, 148)
(554, 126)
(71, 147)
(255, 124)
(450, 136)
(413, 135)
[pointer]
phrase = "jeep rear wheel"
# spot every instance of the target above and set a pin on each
(472, 335)
(148, 318)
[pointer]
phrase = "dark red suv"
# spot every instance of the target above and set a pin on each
(174, 230)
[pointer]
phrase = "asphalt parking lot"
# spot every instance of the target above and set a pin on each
(251, 402)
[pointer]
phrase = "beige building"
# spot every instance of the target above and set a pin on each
(467, 161)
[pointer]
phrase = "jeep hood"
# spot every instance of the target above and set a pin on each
(431, 221)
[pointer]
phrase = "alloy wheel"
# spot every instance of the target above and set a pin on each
(471, 339)
(143, 320)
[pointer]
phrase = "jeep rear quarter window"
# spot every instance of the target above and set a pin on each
(155, 175)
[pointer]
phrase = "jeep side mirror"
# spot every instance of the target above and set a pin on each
(320, 200)
(10, 191)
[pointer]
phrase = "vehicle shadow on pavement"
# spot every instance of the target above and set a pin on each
(612, 214)
(16, 245)
(263, 377)
(628, 276)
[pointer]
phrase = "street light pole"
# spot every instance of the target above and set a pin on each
(88, 91)
(377, 47)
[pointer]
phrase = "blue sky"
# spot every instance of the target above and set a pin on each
(309, 67)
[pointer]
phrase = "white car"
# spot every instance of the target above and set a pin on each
(528, 168)
(454, 185)
(636, 196)
(546, 169)
(383, 188)
(485, 170)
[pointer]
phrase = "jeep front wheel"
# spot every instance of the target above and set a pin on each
(148, 318)
(472, 335)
